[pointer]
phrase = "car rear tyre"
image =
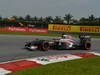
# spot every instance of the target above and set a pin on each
(87, 45)
(45, 45)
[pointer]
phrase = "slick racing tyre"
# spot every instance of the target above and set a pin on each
(45, 45)
(87, 45)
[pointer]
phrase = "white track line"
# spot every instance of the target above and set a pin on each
(4, 72)
(95, 53)
(53, 59)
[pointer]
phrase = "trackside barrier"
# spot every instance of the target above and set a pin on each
(93, 30)
(57, 28)
(22, 29)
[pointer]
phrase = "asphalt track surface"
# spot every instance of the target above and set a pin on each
(12, 48)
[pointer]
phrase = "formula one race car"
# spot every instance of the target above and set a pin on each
(65, 42)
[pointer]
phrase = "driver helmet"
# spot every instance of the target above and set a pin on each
(67, 36)
(64, 36)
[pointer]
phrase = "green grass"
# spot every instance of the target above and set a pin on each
(28, 33)
(85, 66)
(37, 34)
(97, 37)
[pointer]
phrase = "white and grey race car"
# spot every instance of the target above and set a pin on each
(65, 42)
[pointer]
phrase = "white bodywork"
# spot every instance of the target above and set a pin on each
(33, 47)
(67, 39)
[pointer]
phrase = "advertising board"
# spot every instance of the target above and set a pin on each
(73, 28)
(21, 29)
